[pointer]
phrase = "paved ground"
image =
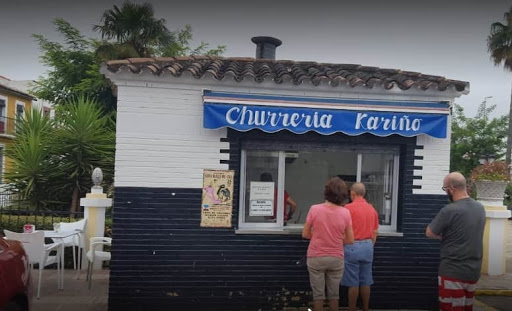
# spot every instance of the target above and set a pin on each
(500, 282)
(495, 292)
(501, 303)
(75, 296)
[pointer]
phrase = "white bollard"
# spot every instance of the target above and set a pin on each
(95, 204)
(497, 221)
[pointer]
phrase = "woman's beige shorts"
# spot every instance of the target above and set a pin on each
(325, 272)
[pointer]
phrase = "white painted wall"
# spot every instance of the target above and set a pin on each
(161, 141)
(435, 163)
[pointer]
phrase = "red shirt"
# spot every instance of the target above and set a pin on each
(286, 196)
(329, 225)
(365, 219)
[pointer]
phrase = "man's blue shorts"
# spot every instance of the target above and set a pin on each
(358, 264)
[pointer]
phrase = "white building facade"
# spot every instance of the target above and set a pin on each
(300, 122)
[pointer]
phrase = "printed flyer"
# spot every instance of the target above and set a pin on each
(217, 202)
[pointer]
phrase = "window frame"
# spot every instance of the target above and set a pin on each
(19, 104)
(4, 113)
(280, 195)
(281, 149)
(2, 163)
(394, 195)
(6, 104)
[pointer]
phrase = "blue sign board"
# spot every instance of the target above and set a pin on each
(324, 121)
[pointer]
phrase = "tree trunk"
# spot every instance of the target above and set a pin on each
(509, 134)
(74, 201)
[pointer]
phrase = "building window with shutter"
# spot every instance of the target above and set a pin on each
(3, 115)
(20, 111)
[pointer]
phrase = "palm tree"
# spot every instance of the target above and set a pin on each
(84, 139)
(499, 44)
(136, 31)
(52, 161)
(30, 157)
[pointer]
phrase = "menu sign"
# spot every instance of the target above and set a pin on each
(217, 200)
(261, 199)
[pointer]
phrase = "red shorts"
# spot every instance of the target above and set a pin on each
(456, 295)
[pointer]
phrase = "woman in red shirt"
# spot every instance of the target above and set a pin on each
(288, 201)
(328, 226)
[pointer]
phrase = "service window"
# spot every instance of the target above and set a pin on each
(280, 184)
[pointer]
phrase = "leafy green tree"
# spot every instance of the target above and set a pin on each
(74, 69)
(75, 64)
(138, 33)
(476, 138)
(181, 46)
(499, 44)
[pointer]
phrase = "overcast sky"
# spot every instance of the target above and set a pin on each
(446, 38)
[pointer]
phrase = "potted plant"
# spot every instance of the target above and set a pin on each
(491, 180)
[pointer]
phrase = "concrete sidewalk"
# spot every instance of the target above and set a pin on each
(75, 296)
(495, 292)
(500, 284)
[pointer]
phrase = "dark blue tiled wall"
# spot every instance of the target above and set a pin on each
(163, 260)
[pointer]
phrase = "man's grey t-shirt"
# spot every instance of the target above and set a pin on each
(461, 225)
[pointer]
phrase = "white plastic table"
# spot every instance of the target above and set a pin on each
(61, 235)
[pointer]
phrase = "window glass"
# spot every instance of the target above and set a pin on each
(20, 112)
(1, 164)
(377, 175)
(306, 173)
(2, 116)
(261, 170)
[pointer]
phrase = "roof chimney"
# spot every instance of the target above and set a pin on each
(266, 47)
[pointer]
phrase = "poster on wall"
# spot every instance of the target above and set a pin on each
(217, 200)
(261, 199)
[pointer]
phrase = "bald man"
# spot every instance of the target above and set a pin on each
(460, 227)
(359, 256)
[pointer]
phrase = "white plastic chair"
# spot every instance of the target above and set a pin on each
(75, 240)
(37, 252)
(94, 255)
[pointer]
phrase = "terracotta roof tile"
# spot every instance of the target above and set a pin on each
(141, 60)
(120, 62)
(184, 58)
(287, 71)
